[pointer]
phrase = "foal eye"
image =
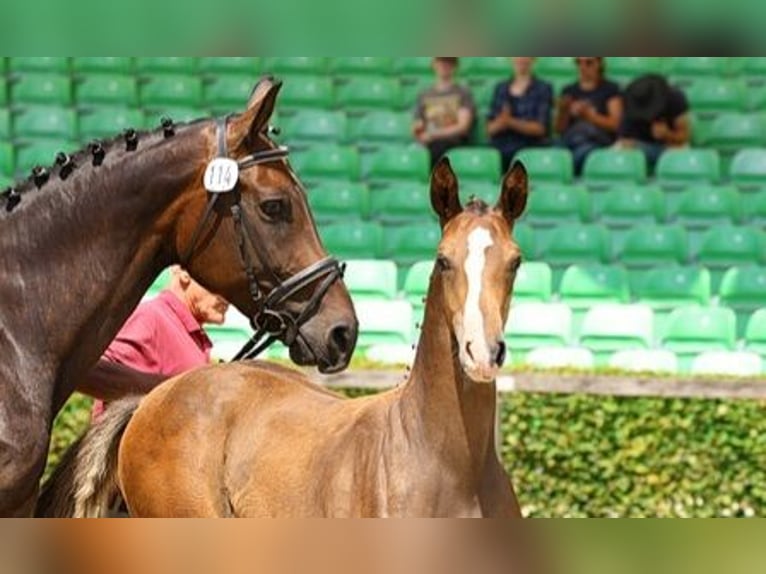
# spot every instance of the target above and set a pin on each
(274, 209)
(442, 263)
(515, 264)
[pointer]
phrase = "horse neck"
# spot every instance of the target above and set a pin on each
(83, 251)
(456, 414)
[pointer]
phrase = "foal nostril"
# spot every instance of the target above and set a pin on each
(500, 353)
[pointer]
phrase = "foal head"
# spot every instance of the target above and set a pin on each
(476, 266)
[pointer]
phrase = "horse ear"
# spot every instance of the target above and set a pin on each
(260, 107)
(513, 193)
(444, 191)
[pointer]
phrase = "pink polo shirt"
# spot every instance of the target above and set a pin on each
(162, 337)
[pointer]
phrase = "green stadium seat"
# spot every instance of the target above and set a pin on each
(533, 283)
(383, 323)
(228, 91)
(6, 124)
(402, 203)
(49, 89)
(694, 330)
(166, 65)
(353, 239)
(561, 67)
(40, 152)
(551, 165)
(338, 201)
(755, 209)
(725, 246)
(754, 69)
(416, 283)
(307, 126)
(7, 161)
(369, 93)
(106, 89)
(179, 114)
(532, 325)
(700, 129)
(361, 65)
(577, 243)
(476, 163)
(410, 90)
(743, 289)
(399, 163)
(328, 162)
(711, 96)
(756, 99)
(645, 360)
(553, 204)
(487, 192)
(368, 279)
(526, 239)
(172, 90)
(626, 69)
(291, 66)
(729, 363)
(684, 70)
(755, 334)
(110, 65)
(611, 327)
(408, 244)
(381, 126)
(221, 67)
(49, 64)
(307, 92)
(678, 168)
(45, 122)
(588, 284)
(417, 66)
(3, 92)
(648, 246)
(702, 207)
(607, 167)
(494, 68)
(748, 169)
(560, 358)
(730, 132)
(629, 206)
(104, 123)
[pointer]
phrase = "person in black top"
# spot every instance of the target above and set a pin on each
(589, 111)
(656, 117)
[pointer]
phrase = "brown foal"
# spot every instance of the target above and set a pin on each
(255, 439)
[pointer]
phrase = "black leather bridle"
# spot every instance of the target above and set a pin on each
(270, 321)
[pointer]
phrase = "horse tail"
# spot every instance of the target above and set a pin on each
(85, 482)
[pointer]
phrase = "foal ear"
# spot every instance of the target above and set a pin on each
(254, 119)
(513, 194)
(444, 191)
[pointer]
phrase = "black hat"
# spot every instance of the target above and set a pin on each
(646, 98)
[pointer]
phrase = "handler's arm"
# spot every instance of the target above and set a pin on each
(111, 381)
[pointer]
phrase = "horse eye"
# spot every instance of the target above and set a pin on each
(442, 263)
(515, 264)
(274, 209)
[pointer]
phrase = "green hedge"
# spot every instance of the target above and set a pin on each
(582, 455)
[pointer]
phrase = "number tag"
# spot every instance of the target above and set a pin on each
(221, 175)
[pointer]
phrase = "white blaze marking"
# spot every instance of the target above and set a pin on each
(473, 320)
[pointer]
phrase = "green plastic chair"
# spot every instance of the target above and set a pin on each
(629, 68)
(527, 240)
(4, 92)
(685, 70)
(107, 89)
(45, 122)
(6, 124)
(40, 152)
(166, 65)
(307, 92)
(748, 169)
(381, 126)
(228, 91)
(179, 114)
(338, 200)
(402, 203)
(48, 89)
(742, 289)
(652, 245)
(694, 330)
(487, 192)
(730, 132)
(755, 334)
(537, 325)
(328, 162)
(353, 239)
(383, 323)
(754, 70)
(417, 66)
(632, 205)
(495, 68)
(533, 282)
(550, 205)
(361, 65)
(725, 246)
(368, 279)
(587, 284)
(678, 168)
(572, 243)
(110, 65)
(711, 96)
(547, 165)
(645, 360)
(607, 167)
(292, 65)
(308, 126)
(411, 89)
(40, 64)
(755, 209)
(399, 163)
(7, 162)
(476, 164)
(369, 93)
(415, 286)
(702, 207)
(103, 123)
(609, 327)
(408, 244)
(562, 67)
(172, 90)
(221, 67)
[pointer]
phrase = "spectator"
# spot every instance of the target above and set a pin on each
(519, 114)
(655, 117)
(164, 336)
(444, 113)
(589, 111)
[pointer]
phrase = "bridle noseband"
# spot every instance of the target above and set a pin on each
(270, 321)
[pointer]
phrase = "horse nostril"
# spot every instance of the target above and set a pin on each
(342, 338)
(500, 353)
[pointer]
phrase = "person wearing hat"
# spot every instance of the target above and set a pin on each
(656, 117)
(589, 111)
(445, 112)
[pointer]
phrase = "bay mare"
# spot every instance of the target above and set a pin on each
(254, 439)
(82, 241)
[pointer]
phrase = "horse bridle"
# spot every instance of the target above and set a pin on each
(270, 321)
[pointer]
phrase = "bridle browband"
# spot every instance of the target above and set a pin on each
(270, 321)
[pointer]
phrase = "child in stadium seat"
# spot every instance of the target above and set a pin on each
(589, 111)
(519, 115)
(445, 112)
